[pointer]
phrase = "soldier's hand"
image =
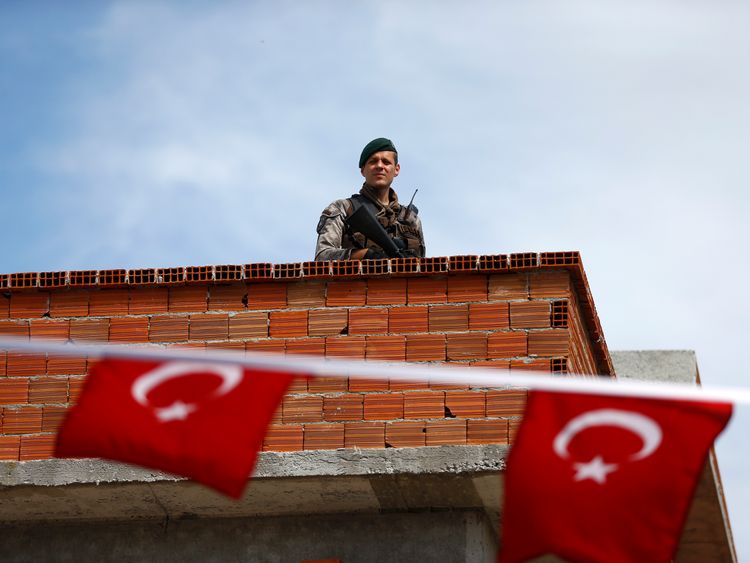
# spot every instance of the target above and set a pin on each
(400, 243)
(374, 254)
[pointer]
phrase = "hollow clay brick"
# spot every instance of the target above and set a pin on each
(327, 322)
(506, 402)
(75, 386)
(386, 348)
(445, 432)
(302, 409)
(428, 404)
(384, 406)
(29, 305)
(233, 346)
(368, 320)
(488, 316)
(503, 287)
(45, 390)
(342, 407)
(4, 305)
(272, 345)
(188, 299)
(24, 364)
(89, 330)
(323, 436)
(467, 288)
(427, 290)
(549, 343)
(230, 297)
(2, 363)
(492, 431)
(388, 291)
(128, 329)
(346, 347)
(397, 385)
(446, 318)
(513, 426)
(52, 417)
(56, 330)
(327, 384)
(22, 420)
(492, 364)
(148, 301)
(306, 294)
(530, 364)
(364, 435)
(548, 284)
(530, 314)
(266, 296)
(168, 329)
(306, 346)
(66, 365)
(69, 303)
(109, 302)
(298, 385)
(253, 324)
(425, 347)
(506, 344)
(9, 448)
(407, 319)
(18, 329)
(405, 434)
(37, 447)
(466, 346)
(465, 404)
(360, 385)
(346, 293)
(213, 326)
(14, 391)
(286, 438)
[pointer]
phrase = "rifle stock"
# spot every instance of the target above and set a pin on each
(363, 221)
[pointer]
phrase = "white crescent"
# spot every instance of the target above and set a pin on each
(231, 376)
(645, 427)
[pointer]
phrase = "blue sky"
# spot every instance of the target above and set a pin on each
(138, 134)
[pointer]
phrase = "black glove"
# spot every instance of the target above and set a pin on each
(374, 254)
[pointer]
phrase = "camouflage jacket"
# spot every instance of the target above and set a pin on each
(336, 241)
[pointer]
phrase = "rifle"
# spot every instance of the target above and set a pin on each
(363, 221)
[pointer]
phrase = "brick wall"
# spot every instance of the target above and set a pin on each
(524, 311)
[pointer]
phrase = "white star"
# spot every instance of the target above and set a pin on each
(595, 469)
(176, 411)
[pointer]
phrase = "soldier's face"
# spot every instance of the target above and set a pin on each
(380, 169)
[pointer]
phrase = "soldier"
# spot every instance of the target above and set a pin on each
(379, 165)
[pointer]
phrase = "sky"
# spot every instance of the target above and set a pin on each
(137, 134)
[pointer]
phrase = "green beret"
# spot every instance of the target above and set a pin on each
(376, 145)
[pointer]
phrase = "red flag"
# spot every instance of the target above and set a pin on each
(204, 421)
(602, 478)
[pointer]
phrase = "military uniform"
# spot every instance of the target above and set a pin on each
(336, 240)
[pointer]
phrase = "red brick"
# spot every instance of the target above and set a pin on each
(65, 365)
(346, 294)
(37, 447)
(48, 390)
(506, 344)
(346, 347)
(266, 295)
(488, 316)
(492, 364)
(324, 436)
(428, 404)
(69, 303)
(188, 299)
(368, 321)
(227, 297)
(467, 288)
(128, 329)
(149, 301)
(467, 346)
(23, 420)
(513, 426)
(168, 328)
(427, 290)
(465, 404)
(109, 302)
(530, 365)
(425, 347)
(29, 305)
(545, 285)
(306, 346)
(506, 402)
(248, 325)
(299, 385)
(387, 291)
(386, 348)
(327, 384)
(224, 345)
(445, 432)
(361, 385)
(508, 286)
(530, 314)
(52, 418)
(3, 364)
(50, 330)
(493, 431)
(302, 409)
(407, 319)
(286, 438)
(306, 294)
(14, 391)
(444, 318)
(327, 322)
(435, 386)
(75, 386)
(274, 346)
(342, 407)
(9, 448)
(89, 330)
(211, 326)
(4, 306)
(364, 435)
(549, 343)
(18, 329)
(25, 364)
(399, 385)
(405, 434)
(288, 323)
(384, 406)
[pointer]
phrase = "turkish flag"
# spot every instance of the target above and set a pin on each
(603, 478)
(205, 421)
